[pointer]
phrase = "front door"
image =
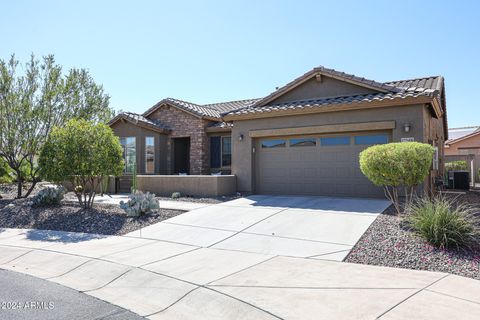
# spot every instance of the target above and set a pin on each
(181, 155)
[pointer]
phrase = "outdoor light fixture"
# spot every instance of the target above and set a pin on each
(406, 127)
(240, 137)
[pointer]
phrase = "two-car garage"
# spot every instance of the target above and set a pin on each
(315, 164)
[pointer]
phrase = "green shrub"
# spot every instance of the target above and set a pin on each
(82, 153)
(6, 175)
(176, 195)
(139, 204)
(49, 196)
(456, 165)
(442, 223)
(395, 165)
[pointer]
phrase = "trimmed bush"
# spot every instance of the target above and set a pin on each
(48, 196)
(442, 223)
(139, 204)
(456, 165)
(176, 195)
(82, 153)
(395, 165)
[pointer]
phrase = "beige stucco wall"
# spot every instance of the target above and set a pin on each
(110, 186)
(127, 129)
(195, 185)
(465, 147)
(242, 155)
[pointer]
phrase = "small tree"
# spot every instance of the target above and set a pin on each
(397, 165)
(33, 100)
(82, 153)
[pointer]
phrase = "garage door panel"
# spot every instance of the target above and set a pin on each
(312, 170)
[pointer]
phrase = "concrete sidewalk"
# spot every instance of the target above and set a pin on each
(164, 204)
(170, 280)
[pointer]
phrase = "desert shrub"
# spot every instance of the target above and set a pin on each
(176, 195)
(443, 223)
(397, 165)
(139, 204)
(49, 196)
(82, 153)
(6, 175)
(456, 165)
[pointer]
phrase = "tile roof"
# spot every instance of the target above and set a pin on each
(213, 110)
(139, 119)
(393, 90)
(458, 133)
(315, 103)
(419, 84)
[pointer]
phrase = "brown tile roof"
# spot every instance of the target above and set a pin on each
(140, 120)
(213, 110)
(434, 83)
(316, 103)
(394, 90)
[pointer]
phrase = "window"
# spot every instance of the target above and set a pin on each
(220, 151)
(335, 141)
(372, 139)
(129, 153)
(274, 143)
(226, 151)
(303, 142)
(149, 154)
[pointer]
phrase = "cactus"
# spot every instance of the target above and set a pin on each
(49, 196)
(134, 179)
(139, 204)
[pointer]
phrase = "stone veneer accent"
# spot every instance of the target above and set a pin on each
(183, 124)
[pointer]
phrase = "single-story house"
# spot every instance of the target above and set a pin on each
(304, 138)
(464, 144)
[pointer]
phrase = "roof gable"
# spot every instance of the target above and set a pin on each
(321, 83)
(139, 120)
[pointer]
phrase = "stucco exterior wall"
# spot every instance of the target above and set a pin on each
(195, 185)
(127, 129)
(327, 87)
(183, 124)
(243, 157)
(465, 147)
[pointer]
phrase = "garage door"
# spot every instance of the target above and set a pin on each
(315, 165)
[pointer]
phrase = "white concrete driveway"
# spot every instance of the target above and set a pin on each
(315, 227)
(224, 263)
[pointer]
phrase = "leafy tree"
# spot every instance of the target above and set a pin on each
(35, 101)
(84, 154)
(456, 165)
(397, 165)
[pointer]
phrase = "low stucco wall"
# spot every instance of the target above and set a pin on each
(109, 189)
(193, 185)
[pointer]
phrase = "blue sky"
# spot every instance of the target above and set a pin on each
(209, 51)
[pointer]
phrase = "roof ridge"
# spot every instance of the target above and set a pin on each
(180, 100)
(466, 127)
(413, 79)
(230, 101)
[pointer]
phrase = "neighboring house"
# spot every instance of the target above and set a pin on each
(304, 138)
(464, 143)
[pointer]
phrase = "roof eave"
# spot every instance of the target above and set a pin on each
(138, 124)
(330, 108)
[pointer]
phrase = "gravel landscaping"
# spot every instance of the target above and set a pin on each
(389, 242)
(70, 216)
